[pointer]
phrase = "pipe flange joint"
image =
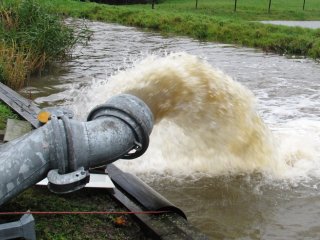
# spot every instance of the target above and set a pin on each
(59, 149)
(135, 113)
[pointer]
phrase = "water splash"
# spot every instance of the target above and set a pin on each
(205, 121)
(299, 148)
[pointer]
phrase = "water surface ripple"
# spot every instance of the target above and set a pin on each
(246, 206)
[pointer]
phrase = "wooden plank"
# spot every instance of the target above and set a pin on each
(16, 128)
(22, 106)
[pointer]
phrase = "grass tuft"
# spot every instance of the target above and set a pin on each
(32, 39)
(5, 113)
(214, 20)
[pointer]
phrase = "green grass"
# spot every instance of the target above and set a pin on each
(246, 9)
(5, 113)
(76, 227)
(213, 21)
(31, 39)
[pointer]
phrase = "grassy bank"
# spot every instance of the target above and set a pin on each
(213, 21)
(76, 227)
(31, 39)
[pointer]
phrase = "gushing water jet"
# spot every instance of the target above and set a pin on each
(204, 120)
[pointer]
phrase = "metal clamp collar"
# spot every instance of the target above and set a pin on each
(69, 182)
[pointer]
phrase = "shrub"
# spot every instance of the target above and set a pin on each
(32, 39)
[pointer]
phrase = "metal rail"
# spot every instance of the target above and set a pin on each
(136, 196)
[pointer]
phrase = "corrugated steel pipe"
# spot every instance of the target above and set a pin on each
(65, 149)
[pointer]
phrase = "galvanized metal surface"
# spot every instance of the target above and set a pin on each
(165, 226)
(135, 113)
(24, 162)
(23, 228)
(69, 182)
(109, 136)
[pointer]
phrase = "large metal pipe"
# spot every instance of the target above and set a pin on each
(67, 148)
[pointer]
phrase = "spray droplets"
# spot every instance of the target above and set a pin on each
(205, 121)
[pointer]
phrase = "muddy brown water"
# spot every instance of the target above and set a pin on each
(223, 201)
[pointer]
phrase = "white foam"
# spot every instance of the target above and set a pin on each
(299, 147)
(207, 123)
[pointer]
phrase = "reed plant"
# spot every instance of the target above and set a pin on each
(31, 39)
